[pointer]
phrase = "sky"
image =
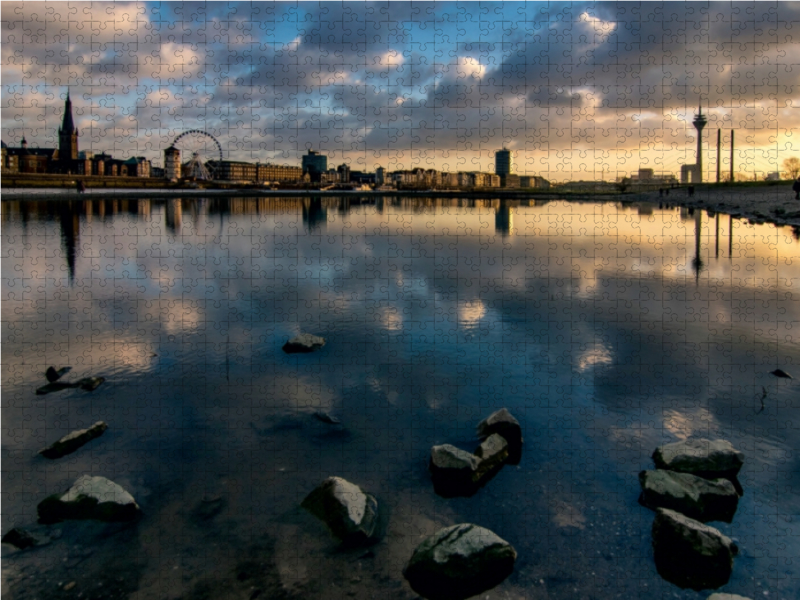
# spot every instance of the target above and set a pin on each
(576, 90)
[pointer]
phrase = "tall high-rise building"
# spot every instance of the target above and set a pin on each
(67, 135)
(314, 163)
(503, 162)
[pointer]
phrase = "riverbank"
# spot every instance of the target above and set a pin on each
(759, 203)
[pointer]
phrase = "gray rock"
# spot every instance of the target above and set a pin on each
(493, 453)
(89, 498)
(719, 596)
(459, 562)
(348, 511)
(702, 457)
(693, 496)
(326, 418)
(305, 342)
(71, 442)
(504, 424)
(689, 553)
(454, 472)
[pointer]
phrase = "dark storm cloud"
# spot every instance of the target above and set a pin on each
(405, 76)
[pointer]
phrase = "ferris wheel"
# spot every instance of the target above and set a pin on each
(199, 147)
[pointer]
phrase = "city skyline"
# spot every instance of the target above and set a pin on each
(575, 91)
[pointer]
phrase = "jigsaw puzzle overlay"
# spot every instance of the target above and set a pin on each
(400, 300)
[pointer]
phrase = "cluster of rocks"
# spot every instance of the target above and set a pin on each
(456, 472)
(693, 483)
(455, 563)
(89, 497)
(89, 384)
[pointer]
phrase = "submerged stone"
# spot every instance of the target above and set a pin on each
(89, 498)
(459, 562)
(454, 472)
(693, 496)
(305, 342)
(20, 538)
(701, 457)
(348, 511)
(71, 442)
(504, 424)
(689, 553)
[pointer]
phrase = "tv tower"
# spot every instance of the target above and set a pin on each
(699, 122)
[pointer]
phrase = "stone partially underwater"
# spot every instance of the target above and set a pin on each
(459, 562)
(693, 496)
(89, 498)
(710, 459)
(689, 553)
(303, 343)
(350, 513)
(504, 424)
(71, 442)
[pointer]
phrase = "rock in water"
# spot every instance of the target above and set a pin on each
(505, 425)
(89, 498)
(690, 554)
(73, 441)
(701, 457)
(719, 596)
(19, 538)
(693, 496)
(459, 562)
(305, 342)
(348, 511)
(493, 453)
(781, 373)
(52, 375)
(326, 418)
(454, 472)
(90, 384)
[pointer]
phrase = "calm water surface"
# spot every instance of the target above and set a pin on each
(606, 329)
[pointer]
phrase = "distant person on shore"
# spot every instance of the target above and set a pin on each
(796, 188)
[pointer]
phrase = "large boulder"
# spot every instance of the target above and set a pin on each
(454, 472)
(689, 553)
(693, 496)
(701, 457)
(348, 511)
(504, 424)
(89, 498)
(305, 342)
(71, 442)
(459, 562)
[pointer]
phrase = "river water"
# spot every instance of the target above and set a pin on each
(607, 329)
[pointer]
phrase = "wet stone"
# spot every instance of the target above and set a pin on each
(454, 472)
(493, 453)
(459, 562)
(689, 553)
(348, 511)
(305, 342)
(690, 495)
(71, 442)
(89, 498)
(701, 457)
(504, 424)
(20, 538)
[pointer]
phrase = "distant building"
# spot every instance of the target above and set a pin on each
(509, 181)
(774, 176)
(270, 172)
(30, 160)
(67, 135)
(172, 163)
(380, 176)
(344, 173)
(314, 164)
(534, 182)
(503, 162)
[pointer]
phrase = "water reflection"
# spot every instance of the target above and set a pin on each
(581, 318)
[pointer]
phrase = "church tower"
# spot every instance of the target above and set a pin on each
(67, 134)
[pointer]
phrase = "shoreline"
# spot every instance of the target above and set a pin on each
(764, 203)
